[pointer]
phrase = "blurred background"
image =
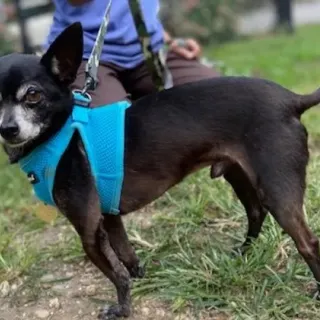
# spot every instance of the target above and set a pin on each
(24, 24)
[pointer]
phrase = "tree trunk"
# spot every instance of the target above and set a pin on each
(23, 32)
(284, 14)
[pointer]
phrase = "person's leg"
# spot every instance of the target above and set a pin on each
(138, 81)
(185, 71)
(109, 87)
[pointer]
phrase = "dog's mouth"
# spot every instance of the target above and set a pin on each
(21, 137)
(16, 143)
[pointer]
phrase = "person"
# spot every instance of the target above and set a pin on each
(284, 15)
(123, 70)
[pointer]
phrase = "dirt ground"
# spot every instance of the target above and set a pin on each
(76, 291)
(70, 292)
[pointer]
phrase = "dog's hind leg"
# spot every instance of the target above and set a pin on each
(287, 209)
(283, 180)
(248, 196)
(292, 220)
(121, 245)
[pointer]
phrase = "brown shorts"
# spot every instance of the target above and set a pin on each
(116, 83)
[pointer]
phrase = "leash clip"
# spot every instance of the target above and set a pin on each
(92, 65)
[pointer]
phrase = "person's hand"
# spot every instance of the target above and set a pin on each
(187, 48)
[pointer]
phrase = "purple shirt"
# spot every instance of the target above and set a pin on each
(121, 44)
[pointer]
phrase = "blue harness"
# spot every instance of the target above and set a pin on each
(102, 133)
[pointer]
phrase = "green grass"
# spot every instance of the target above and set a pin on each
(189, 244)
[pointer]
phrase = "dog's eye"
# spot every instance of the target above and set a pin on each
(33, 96)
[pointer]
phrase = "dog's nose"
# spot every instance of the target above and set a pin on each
(9, 131)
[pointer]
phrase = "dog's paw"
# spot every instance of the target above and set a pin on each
(240, 251)
(113, 312)
(237, 252)
(138, 271)
(315, 295)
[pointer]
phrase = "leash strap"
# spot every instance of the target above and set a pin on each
(94, 59)
(156, 63)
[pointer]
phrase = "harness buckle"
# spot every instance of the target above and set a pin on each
(81, 99)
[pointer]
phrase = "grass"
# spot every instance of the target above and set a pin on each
(187, 248)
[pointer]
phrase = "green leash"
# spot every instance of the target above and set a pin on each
(161, 75)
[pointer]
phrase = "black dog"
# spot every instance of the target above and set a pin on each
(248, 131)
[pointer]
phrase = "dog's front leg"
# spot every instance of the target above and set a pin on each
(120, 244)
(249, 198)
(120, 277)
(88, 222)
(76, 196)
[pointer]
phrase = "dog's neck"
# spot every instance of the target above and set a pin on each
(58, 120)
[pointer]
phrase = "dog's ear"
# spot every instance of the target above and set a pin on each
(64, 56)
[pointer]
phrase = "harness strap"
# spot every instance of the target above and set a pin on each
(102, 131)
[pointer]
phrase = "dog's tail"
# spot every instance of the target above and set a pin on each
(308, 101)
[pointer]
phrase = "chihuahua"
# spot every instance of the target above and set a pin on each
(247, 130)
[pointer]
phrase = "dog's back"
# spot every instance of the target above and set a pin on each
(226, 106)
(213, 123)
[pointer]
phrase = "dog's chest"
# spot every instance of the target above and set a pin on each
(101, 130)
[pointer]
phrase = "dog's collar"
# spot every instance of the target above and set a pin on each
(102, 132)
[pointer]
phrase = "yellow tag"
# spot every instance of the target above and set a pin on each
(45, 212)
